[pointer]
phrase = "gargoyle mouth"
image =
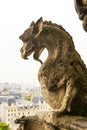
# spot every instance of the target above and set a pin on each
(26, 50)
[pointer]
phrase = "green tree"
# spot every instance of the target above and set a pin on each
(28, 98)
(4, 126)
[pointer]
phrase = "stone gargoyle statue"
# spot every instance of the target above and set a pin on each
(81, 9)
(63, 76)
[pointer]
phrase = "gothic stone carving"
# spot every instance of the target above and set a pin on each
(63, 76)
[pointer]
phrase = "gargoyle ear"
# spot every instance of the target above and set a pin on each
(32, 24)
(38, 27)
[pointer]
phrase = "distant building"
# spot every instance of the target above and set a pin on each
(16, 95)
(9, 100)
(37, 99)
(10, 109)
(4, 92)
(13, 106)
(44, 106)
(9, 113)
(41, 104)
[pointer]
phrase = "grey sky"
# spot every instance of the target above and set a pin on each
(16, 16)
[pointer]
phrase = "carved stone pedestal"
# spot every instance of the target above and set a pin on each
(45, 121)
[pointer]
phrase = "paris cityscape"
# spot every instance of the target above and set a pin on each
(17, 100)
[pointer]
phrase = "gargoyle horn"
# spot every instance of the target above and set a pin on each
(38, 27)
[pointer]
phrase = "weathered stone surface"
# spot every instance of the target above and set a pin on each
(44, 122)
(34, 123)
(64, 121)
(63, 76)
(81, 9)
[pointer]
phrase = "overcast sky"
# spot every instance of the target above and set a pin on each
(16, 16)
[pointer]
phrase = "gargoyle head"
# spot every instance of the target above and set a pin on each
(29, 38)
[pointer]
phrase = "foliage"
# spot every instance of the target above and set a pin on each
(28, 98)
(4, 126)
